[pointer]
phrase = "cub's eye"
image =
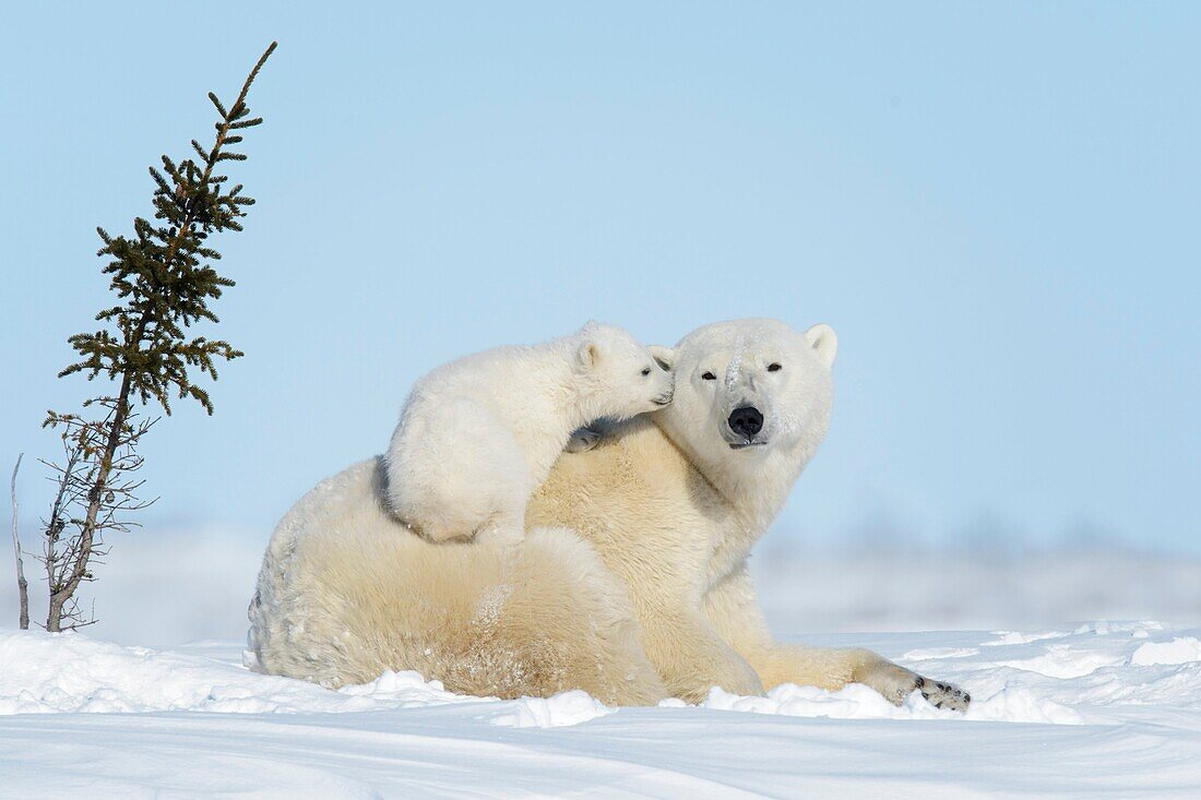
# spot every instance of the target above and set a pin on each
(646, 371)
(709, 376)
(774, 368)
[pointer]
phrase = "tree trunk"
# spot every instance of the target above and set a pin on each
(87, 533)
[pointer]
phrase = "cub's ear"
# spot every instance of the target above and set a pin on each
(823, 341)
(665, 357)
(589, 354)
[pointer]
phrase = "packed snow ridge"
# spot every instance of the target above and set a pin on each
(1104, 709)
(1016, 677)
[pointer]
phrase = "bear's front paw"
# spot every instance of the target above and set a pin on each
(896, 683)
(943, 695)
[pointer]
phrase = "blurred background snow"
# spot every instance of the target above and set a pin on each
(910, 588)
(168, 586)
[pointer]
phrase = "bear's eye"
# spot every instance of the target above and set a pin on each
(646, 371)
(709, 376)
(774, 367)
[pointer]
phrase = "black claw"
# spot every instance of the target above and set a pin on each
(967, 698)
(938, 704)
(920, 682)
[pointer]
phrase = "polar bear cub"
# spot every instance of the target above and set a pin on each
(479, 435)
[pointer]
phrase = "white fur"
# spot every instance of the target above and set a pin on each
(478, 435)
(632, 583)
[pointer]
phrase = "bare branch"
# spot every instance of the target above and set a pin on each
(22, 585)
(95, 490)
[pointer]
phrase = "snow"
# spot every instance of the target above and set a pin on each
(1071, 711)
(1178, 651)
(1108, 703)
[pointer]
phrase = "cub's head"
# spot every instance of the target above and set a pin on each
(751, 388)
(621, 378)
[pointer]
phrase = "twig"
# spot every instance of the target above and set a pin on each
(22, 586)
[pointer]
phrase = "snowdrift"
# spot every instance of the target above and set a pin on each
(1058, 712)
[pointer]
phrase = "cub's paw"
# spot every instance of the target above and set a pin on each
(582, 440)
(942, 695)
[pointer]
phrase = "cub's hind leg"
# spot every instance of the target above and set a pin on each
(460, 474)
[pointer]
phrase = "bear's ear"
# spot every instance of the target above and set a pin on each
(823, 341)
(665, 357)
(589, 354)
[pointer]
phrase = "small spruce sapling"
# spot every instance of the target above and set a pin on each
(163, 281)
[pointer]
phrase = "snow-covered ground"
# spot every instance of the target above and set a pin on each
(1061, 709)
(1109, 709)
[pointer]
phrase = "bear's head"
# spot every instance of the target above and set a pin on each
(618, 377)
(752, 396)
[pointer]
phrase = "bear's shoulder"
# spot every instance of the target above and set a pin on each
(633, 449)
(635, 479)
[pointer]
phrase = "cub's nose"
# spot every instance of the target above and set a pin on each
(746, 421)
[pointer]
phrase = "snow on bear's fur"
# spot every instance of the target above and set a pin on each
(478, 435)
(632, 581)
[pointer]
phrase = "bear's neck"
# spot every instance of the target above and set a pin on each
(754, 491)
(757, 492)
(577, 401)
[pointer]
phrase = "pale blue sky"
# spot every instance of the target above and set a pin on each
(994, 204)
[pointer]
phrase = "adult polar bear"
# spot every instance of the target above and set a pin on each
(632, 582)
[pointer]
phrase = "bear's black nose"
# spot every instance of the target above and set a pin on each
(746, 421)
